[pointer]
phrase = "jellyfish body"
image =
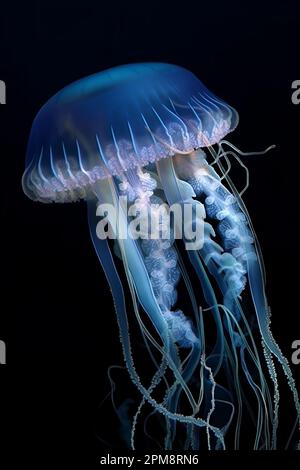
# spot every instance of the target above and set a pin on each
(144, 139)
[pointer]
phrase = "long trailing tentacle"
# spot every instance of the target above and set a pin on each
(257, 279)
(108, 265)
(231, 272)
(237, 232)
(178, 192)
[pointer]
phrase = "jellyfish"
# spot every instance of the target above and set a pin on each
(145, 146)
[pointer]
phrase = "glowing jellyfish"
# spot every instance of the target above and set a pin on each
(142, 139)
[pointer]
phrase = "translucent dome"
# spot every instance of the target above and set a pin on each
(124, 117)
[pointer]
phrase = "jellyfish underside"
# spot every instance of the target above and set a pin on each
(222, 378)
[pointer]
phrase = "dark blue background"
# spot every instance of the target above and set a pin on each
(57, 315)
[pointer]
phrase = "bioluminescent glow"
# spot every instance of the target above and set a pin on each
(153, 135)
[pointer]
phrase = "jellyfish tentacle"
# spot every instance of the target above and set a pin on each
(194, 358)
(241, 248)
(235, 235)
(175, 192)
(105, 258)
(196, 262)
(232, 305)
(173, 188)
(154, 382)
(245, 248)
(238, 343)
(136, 270)
(160, 258)
(193, 361)
(244, 346)
(229, 273)
(273, 375)
(213, 404)
(256, 277)
(177, 375)
(263, 317)
(161, 263)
